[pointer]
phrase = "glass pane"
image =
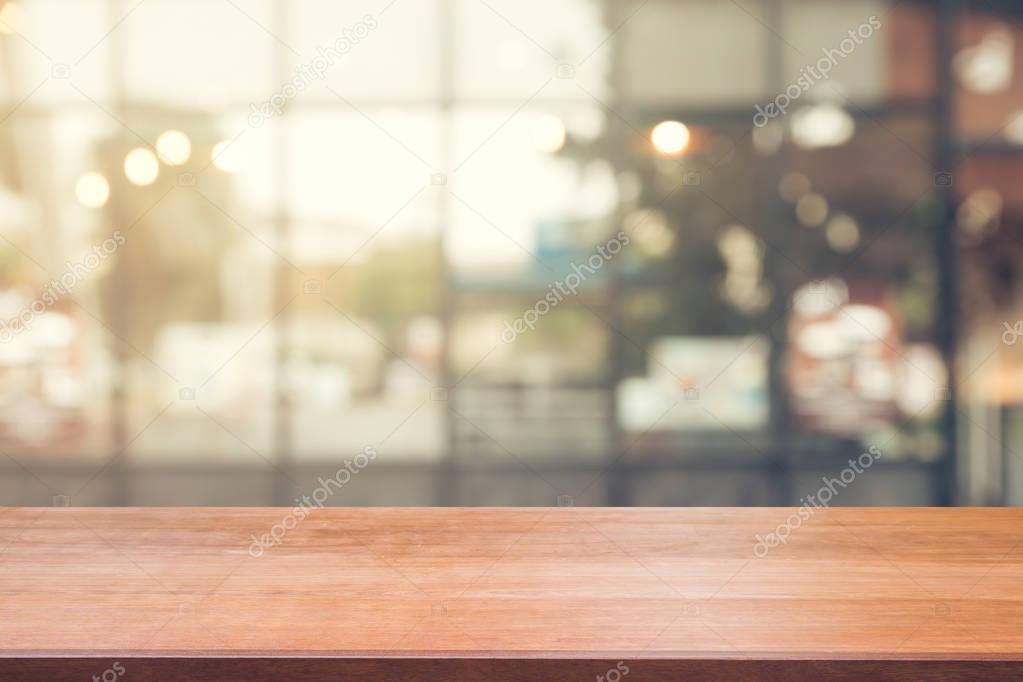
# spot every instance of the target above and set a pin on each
(843, 50)
(678, 205)
(228, 58)
(536, 394)
(686, 380)
(42, 55)
(364, 342)
(989, 199)
(364, 376)
(518, 50)
(58, 247)
(673, 52)
(365, 49)
(988, 75)
(909, 31)
(861, 359)
(361, 172)
(492, 228)
(191, 294)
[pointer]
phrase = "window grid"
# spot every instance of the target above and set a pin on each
(778, 464)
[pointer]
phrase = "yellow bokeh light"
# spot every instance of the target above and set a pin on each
(842, 233)
(141, 166)
(227, 157)
(92, 190)
(811, 209)
(174, 147)
(670, 137)
(793, 186)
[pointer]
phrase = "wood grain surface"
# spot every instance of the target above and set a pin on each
(504, 594)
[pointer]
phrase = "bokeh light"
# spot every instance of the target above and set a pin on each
(227, 156)
(670, 137)
(92, 190)
(141, 166)
(174, 147)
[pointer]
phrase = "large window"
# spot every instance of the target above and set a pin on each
(580, 252)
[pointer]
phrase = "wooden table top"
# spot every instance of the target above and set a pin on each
(633, 587)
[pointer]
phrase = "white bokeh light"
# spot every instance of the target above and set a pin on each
(670, 137)
(822, 125)
(92, 190)
(141, 166)
(174, 147)
(227, 156)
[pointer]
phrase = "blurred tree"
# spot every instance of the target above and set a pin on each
(396, 283)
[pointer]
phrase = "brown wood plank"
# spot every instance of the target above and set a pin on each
(510, 593)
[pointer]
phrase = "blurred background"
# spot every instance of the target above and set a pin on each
(584, 252)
